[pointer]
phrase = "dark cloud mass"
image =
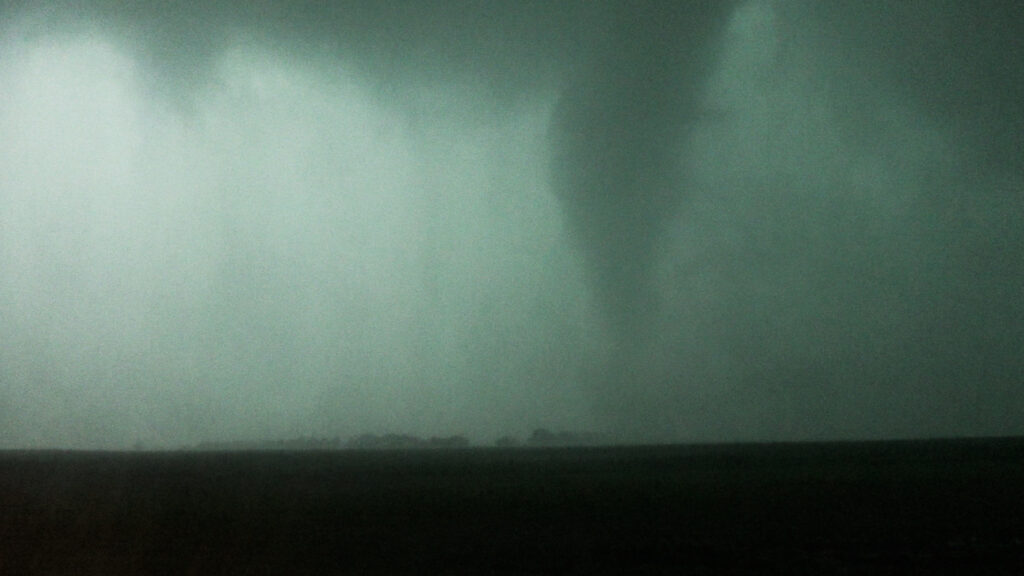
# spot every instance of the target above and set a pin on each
(656, 221)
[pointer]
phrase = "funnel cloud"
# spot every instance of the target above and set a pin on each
(639, 221)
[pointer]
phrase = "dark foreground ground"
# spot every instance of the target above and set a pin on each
(860, 508)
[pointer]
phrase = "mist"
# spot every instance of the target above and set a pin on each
(656, 222)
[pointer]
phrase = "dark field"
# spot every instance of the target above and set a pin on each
(851, 508)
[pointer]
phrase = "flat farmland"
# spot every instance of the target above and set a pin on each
(815, 508)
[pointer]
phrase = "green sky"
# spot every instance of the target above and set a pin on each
(657, 221)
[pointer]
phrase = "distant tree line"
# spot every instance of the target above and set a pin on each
(545, 437)
(361, 442)
(404, 441)
(541, 437)
(300, 443)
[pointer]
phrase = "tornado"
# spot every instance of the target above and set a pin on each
(618, 135)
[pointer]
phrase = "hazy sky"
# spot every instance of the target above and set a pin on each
(658, 221)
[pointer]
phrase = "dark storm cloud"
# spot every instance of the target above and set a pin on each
(957, 63)
(658, 220)
(845, 266)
